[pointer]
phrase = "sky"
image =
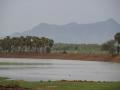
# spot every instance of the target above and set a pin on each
(22, 15)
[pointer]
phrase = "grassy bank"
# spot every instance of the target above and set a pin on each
(60, 85)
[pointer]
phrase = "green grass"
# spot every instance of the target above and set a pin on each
(78, 48)
(62, 85)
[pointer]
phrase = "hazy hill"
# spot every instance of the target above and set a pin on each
(98, 32)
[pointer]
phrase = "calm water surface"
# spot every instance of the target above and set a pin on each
(55, 69)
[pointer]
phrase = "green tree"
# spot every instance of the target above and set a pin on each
(117, 39)
(26, 44)
(109, 46)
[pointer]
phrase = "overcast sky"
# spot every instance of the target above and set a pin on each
(21, 15)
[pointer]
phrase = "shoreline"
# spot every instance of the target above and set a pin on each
(56, 85)
(70, 56)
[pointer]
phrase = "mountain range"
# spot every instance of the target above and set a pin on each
(98, 32)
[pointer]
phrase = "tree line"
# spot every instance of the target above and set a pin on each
(26, 44)
(44, 45)
(113, 46)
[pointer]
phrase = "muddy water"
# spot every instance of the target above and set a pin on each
(55, 69)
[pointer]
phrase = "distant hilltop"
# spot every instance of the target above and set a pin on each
(98, 32)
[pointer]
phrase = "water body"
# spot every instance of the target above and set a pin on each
(55, 69)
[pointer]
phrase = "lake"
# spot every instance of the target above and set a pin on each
(55, 69)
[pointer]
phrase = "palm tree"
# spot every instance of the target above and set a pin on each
(34, 43)
(45, 44)
(7, 44)
(15, 44)
(50, 44)
(39, 44)
(22, 44)
(28, 43)
(1, 45)
(25, 44)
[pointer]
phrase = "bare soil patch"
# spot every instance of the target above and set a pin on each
(70, 56)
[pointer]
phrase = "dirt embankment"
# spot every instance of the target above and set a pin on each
(12, 88)
(70, 56)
